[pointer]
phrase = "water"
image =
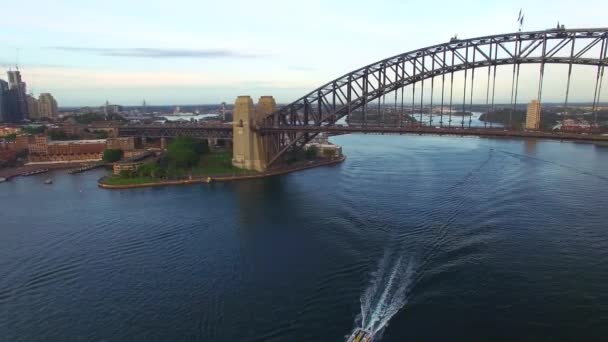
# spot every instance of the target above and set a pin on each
(387, 293)
(188, 117)
(457, 120)
(484, 239)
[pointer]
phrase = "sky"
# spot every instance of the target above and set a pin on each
(85, 52)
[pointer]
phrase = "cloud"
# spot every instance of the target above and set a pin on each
(22, 65)
(302, 68)
(157, 52)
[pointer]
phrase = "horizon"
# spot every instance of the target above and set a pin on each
(406, 104)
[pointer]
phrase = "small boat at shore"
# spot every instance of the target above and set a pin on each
(48, 181)
(84, 168)
(2, 179)
(35, 172)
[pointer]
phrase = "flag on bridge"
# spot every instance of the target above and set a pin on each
(520, 19)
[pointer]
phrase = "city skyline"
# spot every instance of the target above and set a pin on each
(193, 53)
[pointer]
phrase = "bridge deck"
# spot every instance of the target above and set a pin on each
(457, 131)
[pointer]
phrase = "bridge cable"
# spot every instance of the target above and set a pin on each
(414, 92)
(451, 92)
(472, 89)
(395, 108)
(518, 53)
(364, 94)
(442, 90)
(381, 82)
(384, 99)
(599, 92)
(512, 91)
(402, 92)
(432, 90)
(464, 89)
(568, 82)
(598, 83)
(494, 83)
(422, 88)
(485, 122)
(542, 75)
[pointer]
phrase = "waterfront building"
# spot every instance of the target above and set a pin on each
(130, 166)
(7, 151)
(22, 142)
(38, 144)
(533, 115)
(43, 150)
(8, 130)
(326, 150)
(125, 144)
(47, 106)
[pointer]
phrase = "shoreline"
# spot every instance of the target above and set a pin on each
(17, 171)
(211, 179)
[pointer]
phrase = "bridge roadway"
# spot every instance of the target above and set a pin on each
(203, 131)
(225, 131)
(456, 131)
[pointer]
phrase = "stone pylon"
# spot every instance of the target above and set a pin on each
(251, 150)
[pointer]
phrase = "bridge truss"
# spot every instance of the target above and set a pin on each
(293, 125)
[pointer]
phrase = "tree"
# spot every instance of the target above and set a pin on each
(184, 152)
(56, 134)
(112, 155)
(150, 170)
(101, 134)
(126, 173)
(33, 129)
(10, 137)
(312, 152)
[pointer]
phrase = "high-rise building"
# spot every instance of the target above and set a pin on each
(14, 78)
(3, 100)
(47, 106)
(18, 90)
(32, 107)
(13, 110)
(533, 115)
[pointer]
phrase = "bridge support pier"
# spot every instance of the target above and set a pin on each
(250, 150)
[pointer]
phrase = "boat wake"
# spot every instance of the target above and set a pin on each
(387, 292)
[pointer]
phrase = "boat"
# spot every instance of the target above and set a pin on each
(2, 179)
(85, 168)
(35, 172)
(48, 181)
(360, 335)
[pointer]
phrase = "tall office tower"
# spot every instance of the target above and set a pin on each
(47, 106)
(533, 115)
(18, 89)
(3, 100)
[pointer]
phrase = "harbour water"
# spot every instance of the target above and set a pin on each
(416, 238)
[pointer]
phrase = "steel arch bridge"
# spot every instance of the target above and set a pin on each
(297, 123)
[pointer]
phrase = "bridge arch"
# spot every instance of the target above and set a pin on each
(343, 95)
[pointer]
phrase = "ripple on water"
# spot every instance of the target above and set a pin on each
(495, 228)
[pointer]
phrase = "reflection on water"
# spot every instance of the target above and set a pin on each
(438, 120)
